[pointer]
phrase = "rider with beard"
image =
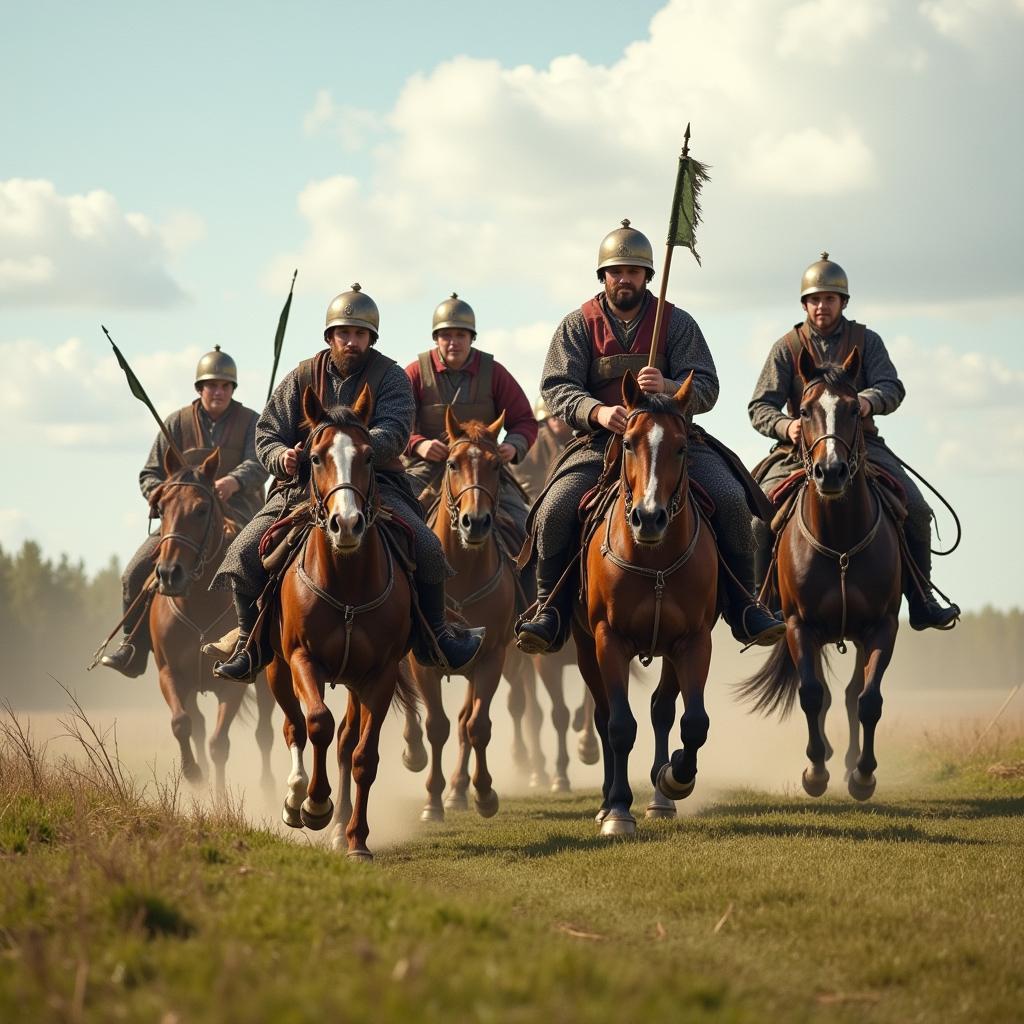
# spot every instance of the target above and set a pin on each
(338, 375)
(588, 357)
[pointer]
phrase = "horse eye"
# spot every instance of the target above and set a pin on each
(627, 445)
(451, 466)
(315, 460)
(202, 511)
(805, 412)
(682, 450)
(369, 458)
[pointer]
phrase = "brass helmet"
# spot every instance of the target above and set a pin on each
(353, 308)
(625, 247)
(454, 312)
(824, 276)
(540, 409)
(216, 365)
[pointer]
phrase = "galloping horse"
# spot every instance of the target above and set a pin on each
(344, 616)
(650, 589)
(483, 591)
(184, 613)
(838, 565)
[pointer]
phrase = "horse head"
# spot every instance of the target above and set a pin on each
(342, 482)
(191, 522)
(472, 477)
(654, 448)
(831, 433)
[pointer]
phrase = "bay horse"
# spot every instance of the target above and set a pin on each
(650, 589)
(839, 578)
(194, 530)
(344, 615)
(483, 591)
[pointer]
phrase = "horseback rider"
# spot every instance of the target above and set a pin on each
(775, 409)
(338, 374)
(477, 387)
(553, 434)
(582, 382)
(213, 420)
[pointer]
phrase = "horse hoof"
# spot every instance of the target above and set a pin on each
(601, 815)
(618, 823)
(192, 773)
(815, 785)
(560, 784)
(538, 780)
(672, 790)
(415, 758)
(861, 787)
(456, 800)
(432, 815)
(487, 805)
(291, 817)
(578, 720)
(362, 856)
(589, 750)
(316, 820)
(660, 806)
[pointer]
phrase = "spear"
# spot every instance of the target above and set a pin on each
(140, 393)
(682, 226)
(282, 323)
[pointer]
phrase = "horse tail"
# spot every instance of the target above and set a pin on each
(773, 687)
(407, 697)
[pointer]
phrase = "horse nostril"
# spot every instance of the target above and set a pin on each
(360, 525)
(819, 472)
(486, 521)
(661, 519)
(843, 470)
(466, 521)
(334, 523)
(634, 518)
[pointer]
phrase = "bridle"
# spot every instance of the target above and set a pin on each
(452, 501)
(369, 499)
(676, 499)
(202, 557)
(853, 450)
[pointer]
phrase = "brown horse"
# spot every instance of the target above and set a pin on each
(838, 565)
(184, 614)
(650, 590)
(483, 592)
(344, 616)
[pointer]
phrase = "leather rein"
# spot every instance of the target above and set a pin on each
(202, 558)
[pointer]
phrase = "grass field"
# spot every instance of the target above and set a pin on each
(124, 903)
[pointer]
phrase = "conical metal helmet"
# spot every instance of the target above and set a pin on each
(540, 409)
(353, 308)
(625, 247)
(216, 365)
(454, 312)
(824, 276)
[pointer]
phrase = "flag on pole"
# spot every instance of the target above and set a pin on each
(282, 324)
(685, 216)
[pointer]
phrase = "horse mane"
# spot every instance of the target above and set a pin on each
(657, 404)
(832, 375)
(340, 416)
(475, 431)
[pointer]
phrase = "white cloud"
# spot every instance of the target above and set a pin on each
(80, 250)
(354, 126)
(829, 165)
(824, 30)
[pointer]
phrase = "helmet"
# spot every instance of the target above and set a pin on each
(824, 276)
(454, 312)
(540, 409)
(216, 365)
(353, 309)
(625, 247)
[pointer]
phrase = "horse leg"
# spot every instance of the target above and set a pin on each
(691, 661)
(663, 712)
(486, 676)
(551, 677)
(515, 672)
(198, 730)
(457, 799)
(366, 759)
(588, 747)
(438, 728)
(534, 724)
(220, 745)
(348, 737)
(613, 660)
(806, 654)
(853, 688)
(826, 703)
(265, 736)
(279, 680)
(317, 809)
(878, 647)
(414, 754)
(181, 726)
(586, 656)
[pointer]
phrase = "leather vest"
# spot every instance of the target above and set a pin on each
(474, 403)
(312, 373)
(851, 338)
(609, 361)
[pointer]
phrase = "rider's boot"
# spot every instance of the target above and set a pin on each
(545, 632)
(131, 656)
(751, 622)
(763, 544)
(246, 662)
(458, 645)
(925, 610)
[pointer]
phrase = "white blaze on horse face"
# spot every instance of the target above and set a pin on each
(343, 452)
(654, 438)
(829, 403)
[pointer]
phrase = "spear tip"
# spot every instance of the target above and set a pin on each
(686, 140)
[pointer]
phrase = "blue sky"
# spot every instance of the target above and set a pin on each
(164, 169)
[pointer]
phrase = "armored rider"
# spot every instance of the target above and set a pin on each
(338, 374)
(553, 434)
(775, 410)
(213, 420)
(588, 357)
(477, 387)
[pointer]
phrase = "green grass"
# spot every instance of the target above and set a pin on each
(119, 904)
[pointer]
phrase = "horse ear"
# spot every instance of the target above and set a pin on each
(210, 465)
(495, 428)
(171, 462)
(452, 425)
(806, 364)
(312, 407)
(364, 404)
(851, 364)
(682, 395)
(631, 393)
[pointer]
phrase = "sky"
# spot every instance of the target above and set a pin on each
(163, 170)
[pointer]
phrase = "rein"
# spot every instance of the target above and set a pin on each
(675, 501)
(854, 451)
(202, 558)
(318, 502)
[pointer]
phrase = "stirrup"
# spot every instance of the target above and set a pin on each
(223, 648)
(252, 667)
(768, 637)
(531, 643)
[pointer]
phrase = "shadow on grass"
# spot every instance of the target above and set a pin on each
(955, 808)
(816, 830)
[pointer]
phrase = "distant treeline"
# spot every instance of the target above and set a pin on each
(53, 615)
